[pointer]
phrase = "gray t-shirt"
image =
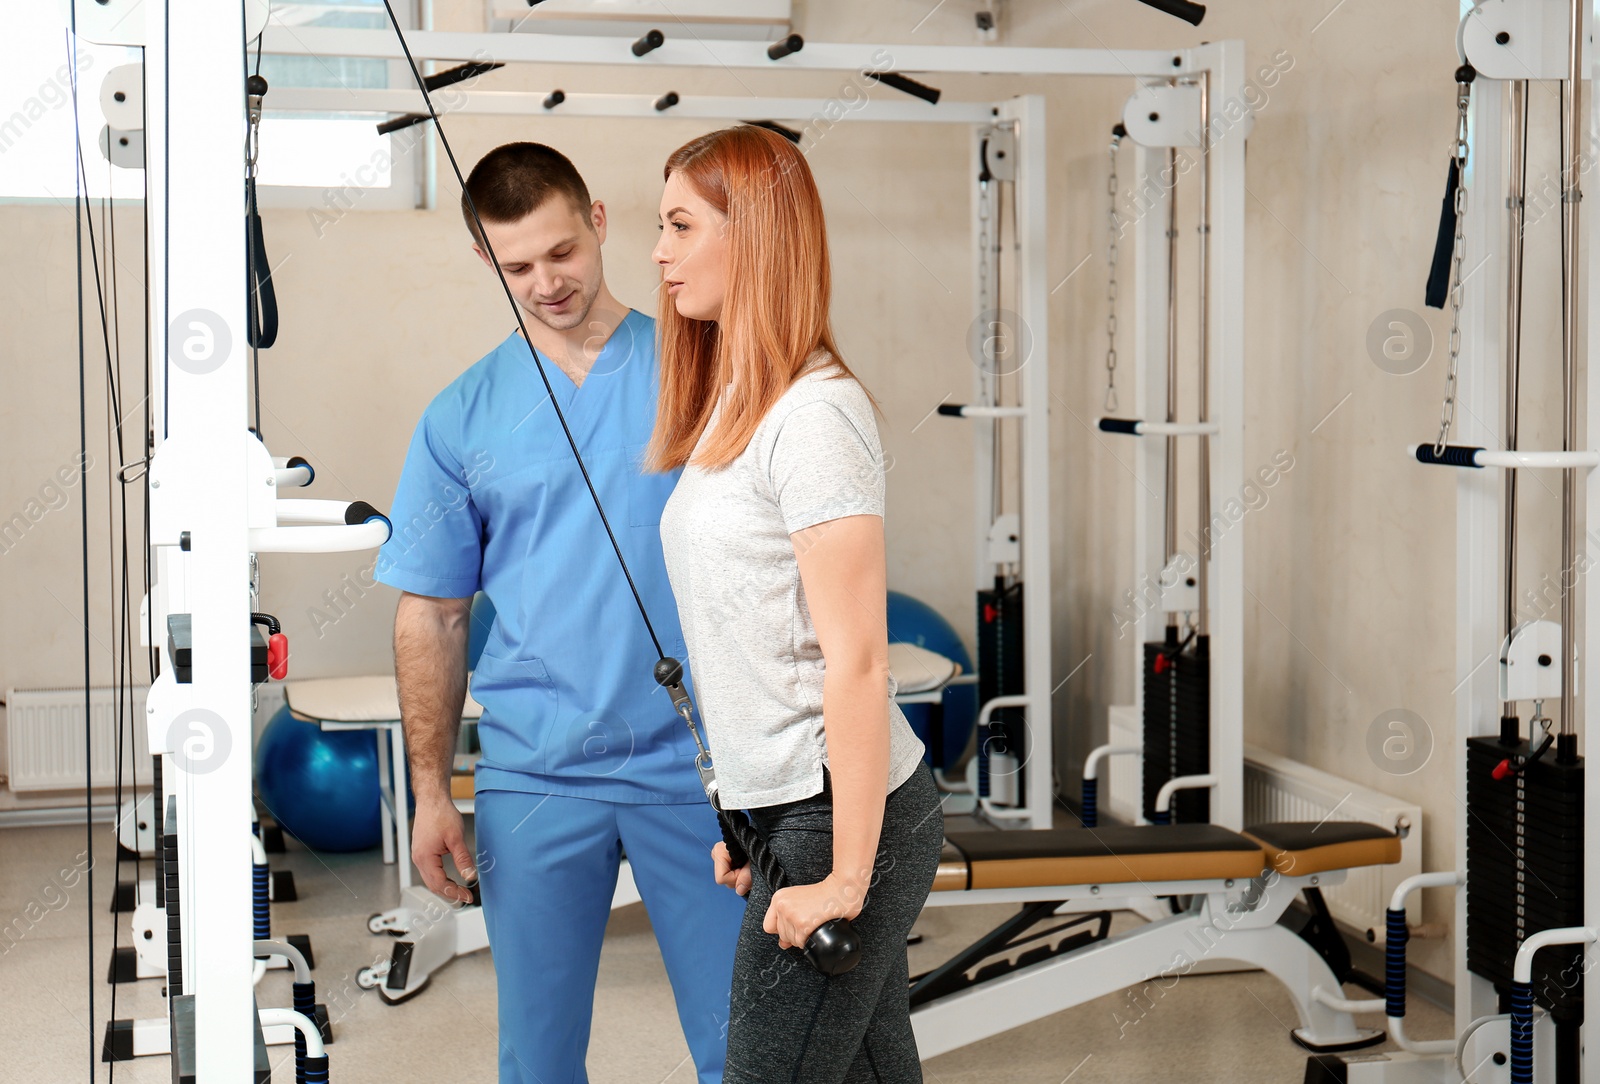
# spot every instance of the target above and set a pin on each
(753, 651)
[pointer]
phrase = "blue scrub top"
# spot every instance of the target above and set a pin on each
(490, 497)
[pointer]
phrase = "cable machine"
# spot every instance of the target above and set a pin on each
(1525, 903)
(214, 487)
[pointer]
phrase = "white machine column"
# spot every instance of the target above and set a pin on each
(195, 66)
(1032, 299)
(1479, 578)
(1225, 332)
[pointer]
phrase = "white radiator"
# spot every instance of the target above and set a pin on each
(45, 738)
(1279, 789)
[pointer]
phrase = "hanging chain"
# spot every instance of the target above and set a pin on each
(1114, 225)
(1447, 413)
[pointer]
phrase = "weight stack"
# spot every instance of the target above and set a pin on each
(1177, 726)
(169, 873)
(1000, 674)
(158, 806)
(1525, 870)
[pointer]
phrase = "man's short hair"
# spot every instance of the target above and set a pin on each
(514, 180)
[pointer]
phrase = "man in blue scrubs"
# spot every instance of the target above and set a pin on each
(583, 756)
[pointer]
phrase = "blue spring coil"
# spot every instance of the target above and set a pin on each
(305, 1003)
(1161, 816)
(317, 1070)
(260, 906)
(1522, 1033)
(1397, 933)
(1091, 803)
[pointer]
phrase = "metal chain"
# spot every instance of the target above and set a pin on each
(1447, 412)
(1114, 223)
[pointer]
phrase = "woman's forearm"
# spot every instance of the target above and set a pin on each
(855, 713)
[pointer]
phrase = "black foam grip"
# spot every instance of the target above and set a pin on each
(906, 86)
(358, 512)
(459, 74)
(649, 43)
(1443, 246)
(773, 126)
(404, 121)
(952, 410)
(1455, 455)
(1120, 425)
(780, 49)
(1181, 9)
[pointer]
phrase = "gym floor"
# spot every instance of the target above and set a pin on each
(1222, 1028)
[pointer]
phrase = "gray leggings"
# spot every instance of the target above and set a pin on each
(788, 1022)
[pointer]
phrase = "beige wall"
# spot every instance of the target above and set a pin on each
(1350, 565)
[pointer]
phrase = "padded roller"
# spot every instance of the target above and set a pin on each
(1455, 455)
(1297, 849)
(1114, 855)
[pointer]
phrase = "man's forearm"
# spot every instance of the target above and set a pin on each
(430, 669)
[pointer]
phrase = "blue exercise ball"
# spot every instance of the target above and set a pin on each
(912, 621)
(320, 785)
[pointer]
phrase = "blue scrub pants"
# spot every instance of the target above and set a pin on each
(548, 869)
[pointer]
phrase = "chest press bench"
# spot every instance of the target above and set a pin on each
(1238, 886)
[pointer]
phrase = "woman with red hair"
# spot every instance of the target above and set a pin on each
(774, 544)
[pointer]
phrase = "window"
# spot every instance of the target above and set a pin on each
(305, 159)
(335, 160)
(37, 160)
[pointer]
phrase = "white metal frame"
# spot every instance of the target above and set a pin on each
(1227, 921)
(1479, 523)
(202, 464)
(1536, 50)
(1225, 166)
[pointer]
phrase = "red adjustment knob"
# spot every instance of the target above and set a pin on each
(1163, 663)
(1503, 770)
(278, 656)
(989, 613)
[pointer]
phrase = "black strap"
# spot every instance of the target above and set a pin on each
(1444, 247)
(263, 300)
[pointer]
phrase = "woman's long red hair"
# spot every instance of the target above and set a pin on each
(775, 312)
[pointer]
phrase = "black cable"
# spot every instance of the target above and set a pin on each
(119, 648)
(80, 199)
(500, 274)
(833, 947)
(251, 286)
(147, 437)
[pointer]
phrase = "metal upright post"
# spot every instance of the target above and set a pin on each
(1032, 294)
(1479, 614)
(1591, 595)
(195, 67)
(1152, 199)
(1224, 328)
(984, 383)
